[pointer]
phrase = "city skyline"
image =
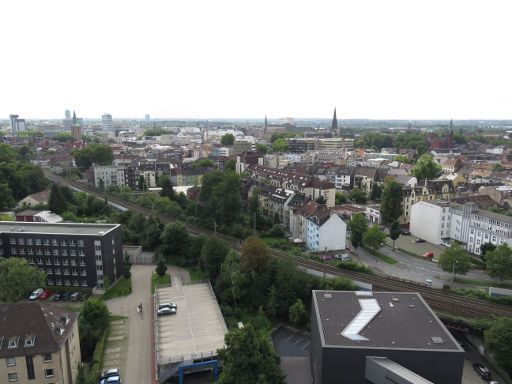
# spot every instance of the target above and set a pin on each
(370, 60)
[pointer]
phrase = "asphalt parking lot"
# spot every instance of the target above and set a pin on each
(293, 348)
(408, 244)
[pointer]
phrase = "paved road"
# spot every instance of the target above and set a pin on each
(138, 364)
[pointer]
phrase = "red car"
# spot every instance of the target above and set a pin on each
(45, 294)
(429, 255)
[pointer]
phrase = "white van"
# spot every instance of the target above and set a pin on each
(342, 256)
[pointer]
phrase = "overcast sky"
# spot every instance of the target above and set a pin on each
(381, 59)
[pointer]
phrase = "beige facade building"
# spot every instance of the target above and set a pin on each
(39, 343)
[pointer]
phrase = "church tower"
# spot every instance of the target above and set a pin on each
(334, 125)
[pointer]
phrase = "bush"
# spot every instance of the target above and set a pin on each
(353, 266)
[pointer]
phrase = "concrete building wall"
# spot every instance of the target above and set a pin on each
(426, 222)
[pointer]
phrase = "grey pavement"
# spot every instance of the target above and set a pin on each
(116, 346)
(139, 352)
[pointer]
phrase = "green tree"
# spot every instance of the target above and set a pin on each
(213, 254)
(227, 139)
(498, 340)
(6, 199)
(357, 196)
(499, 262)
(56, 202)
(391, 202)
(394, 232)
(80, 376)
(203, 163)
(262, 148)
(174, 244)
(455, 259)
(141, 184)
(230, 166)
(358, 226)
(96, 314)
(161, 267)
(17, 278)
(298, 314)
(7, 153)
(320, 200)
(340, 198)
(376, 192)
(402, 159)
(100, 154)
(374, 237)
(486, 247)
(255, 255)
(249, 358)
(167, 188)
(426, 168)
(280, 145)
(63, 136)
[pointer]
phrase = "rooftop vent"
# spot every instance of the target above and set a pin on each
(327, 296)
(395, 299)
(13, 342)
(437, 340)
(412, 306)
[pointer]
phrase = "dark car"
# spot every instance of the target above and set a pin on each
(420, 240)
(66, 295)
(482, 371)
(57, 297)
(110, 372)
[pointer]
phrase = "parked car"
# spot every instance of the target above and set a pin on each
(405, 233)
(420, 241)
(110, 372)
(75, 296)
(342, 256)
(429, 255)
(168, 305)
(482, 371)
(65, 296)
(166, 311)
(57, 296)
(111, 380)
(34, 295)
(46, 293)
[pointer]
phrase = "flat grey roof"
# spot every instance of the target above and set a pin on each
(404, 321)
(56, 228)
(198, 328)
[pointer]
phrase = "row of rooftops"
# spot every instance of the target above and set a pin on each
(473, 209)
(30, 328)
(301, 180)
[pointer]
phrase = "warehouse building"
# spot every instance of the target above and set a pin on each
(380, 338)
(71, 254)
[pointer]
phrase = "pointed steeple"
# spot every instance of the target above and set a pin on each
(74, 117)
(266, 125)
(334, 126)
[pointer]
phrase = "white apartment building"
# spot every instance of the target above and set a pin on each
(110, 176)
(106, 122)
(466, 223)
(326, 232)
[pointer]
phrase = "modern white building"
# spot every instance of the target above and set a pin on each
(437, 220)
(17, 125)
(326, 231)
(106, 122)
(111, 176)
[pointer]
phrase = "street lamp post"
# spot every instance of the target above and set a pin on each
(453, 272)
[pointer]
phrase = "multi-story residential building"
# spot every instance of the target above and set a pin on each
(243, 145)
(39, 343)
(310, 186)
(334, 144)
(113, 176)
(365, 177)
(326, 231)
(437, 220)
(424, 190)
(71, 254)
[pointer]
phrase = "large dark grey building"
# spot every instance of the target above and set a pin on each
(71, 254)
(380, 337)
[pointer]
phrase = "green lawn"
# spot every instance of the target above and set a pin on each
(282, 244)
(482, 283)
(123, 287)
(160, 281)
(195, 274)
(384, 258)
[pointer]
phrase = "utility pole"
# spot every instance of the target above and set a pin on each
(453, 272)
(215, 228)
(325, 260)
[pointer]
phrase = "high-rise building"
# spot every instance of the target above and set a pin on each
(17, 125)
(147, 117)
(66, 122)
(106, 121)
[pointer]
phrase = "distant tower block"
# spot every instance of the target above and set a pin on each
(334, 125)
(147, 117)
(106, 122)
(67, 114)
(66, 122)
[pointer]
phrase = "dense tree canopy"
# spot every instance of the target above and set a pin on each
(213, 253)
(357, 196)
(498, 339)
(499, 262)
(374, 237)
(426, 168)
(280, 145)
(455, 259)
(100, 154)
(255, 254)
(249, 358)
(174, 244)
(391, 202)
(358, 226)
(17, 278)
(227, 139)
(394, 232)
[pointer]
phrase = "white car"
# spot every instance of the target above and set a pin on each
(342, 256)
(166, 311)
(167, 305)
(34, 295)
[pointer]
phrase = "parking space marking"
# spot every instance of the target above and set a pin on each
(288, 338)
(306, 344)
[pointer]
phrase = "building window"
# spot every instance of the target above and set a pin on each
(64, 252)
(12, 377)
(54, 242)
(10, 361)
(47, 357)
(55, 252)
(48, 372)
(80, 243)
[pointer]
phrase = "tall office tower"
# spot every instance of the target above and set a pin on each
(147, 117)
(66, 122)
(106, 121)
(17, 125)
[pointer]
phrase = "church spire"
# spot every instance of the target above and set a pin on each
(334, 126)
(74, 117)
(266, 125)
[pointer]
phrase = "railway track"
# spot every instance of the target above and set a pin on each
(440, 300)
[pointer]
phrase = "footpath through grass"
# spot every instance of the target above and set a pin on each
(195, 274)
(122, 287)
(160, 281)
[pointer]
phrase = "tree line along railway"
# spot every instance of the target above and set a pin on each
(442, 301)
